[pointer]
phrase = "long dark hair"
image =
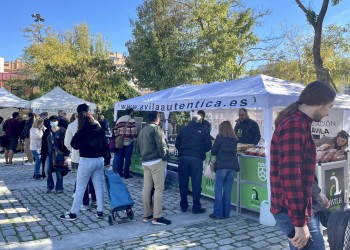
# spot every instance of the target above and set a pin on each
(84, 118)
(314, 94)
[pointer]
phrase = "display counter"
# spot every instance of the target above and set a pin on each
(333, 182)
(252, 182)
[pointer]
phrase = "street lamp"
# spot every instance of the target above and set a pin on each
(38, 18)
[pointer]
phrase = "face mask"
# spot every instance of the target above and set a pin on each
(53, 124)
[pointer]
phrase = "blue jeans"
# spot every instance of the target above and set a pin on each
(223, 187)
(48, 172)
(124, 153)
(89, 168)
(37, 158)
(283, 221)
(190, 166)
(115, 162)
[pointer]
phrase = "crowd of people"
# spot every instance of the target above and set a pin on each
(49, 141)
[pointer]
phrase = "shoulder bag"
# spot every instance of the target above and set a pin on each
(119, 140)
(209, 169)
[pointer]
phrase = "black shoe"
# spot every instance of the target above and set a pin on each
(214, 217)
(200, 211)
(128, 177)
(184, 210)
(68, 216)
(161, 221)
(38, 177)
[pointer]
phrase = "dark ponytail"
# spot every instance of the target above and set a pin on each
(314, 94)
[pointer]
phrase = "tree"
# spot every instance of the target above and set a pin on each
(316, 21)
(75, 61)
(294, 60)
(189, 41)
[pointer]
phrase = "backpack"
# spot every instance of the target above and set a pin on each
(336, 227)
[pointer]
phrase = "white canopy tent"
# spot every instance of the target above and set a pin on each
(56, 100)
(261, 91)
(9, 100)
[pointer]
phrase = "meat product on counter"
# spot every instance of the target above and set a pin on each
(323, 147)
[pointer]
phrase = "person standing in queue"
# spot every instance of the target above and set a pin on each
(226, 167)
(293, 164)
(246, 129)
(126, 127)
(153, 150)
(192, 142)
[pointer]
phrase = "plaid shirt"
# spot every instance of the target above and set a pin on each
(293, 163)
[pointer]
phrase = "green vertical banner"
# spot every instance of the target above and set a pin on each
(335, 188)
(252, 195)
(136, 164)
(253, 169)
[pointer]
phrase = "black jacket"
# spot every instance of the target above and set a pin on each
(61, 147)
(91, 141)
(247, 131)
(193, 140)
(225, 149)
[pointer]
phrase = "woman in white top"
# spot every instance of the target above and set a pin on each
(36, 134)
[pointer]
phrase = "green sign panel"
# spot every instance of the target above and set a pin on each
(252, 195)
(208, 189)
(253, 169)
(136, 164)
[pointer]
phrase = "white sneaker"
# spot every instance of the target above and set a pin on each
(84, 208)
(28, 164)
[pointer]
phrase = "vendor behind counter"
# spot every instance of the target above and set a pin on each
(340, 142)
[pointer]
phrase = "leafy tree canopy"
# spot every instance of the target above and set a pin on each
(77, 62)
(189, 41)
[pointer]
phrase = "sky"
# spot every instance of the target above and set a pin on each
(110, 18)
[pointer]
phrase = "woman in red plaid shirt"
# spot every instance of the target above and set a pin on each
(293, 163)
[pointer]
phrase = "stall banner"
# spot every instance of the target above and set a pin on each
(252, 195)
(173, 156)
(329, 126)
(215, 117)
(136, 164)
(335, 188)
(208, 189)
(253, 169)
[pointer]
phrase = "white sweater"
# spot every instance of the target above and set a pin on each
(35, 135)
(70, 132)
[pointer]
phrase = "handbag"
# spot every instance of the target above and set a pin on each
(209, 169)
(60, 164)
(119, 140)
(323, 213)
(111, 143)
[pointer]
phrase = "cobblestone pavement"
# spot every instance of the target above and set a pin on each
(29, 218)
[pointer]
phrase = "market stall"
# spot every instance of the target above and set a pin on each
(9, 100)
(262, 95)
(58, 99)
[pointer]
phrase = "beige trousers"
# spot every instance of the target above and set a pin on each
(153, 176)
(27, 150)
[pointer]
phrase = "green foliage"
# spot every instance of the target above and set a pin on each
(296, 57)
(77, 62)
(190, 41)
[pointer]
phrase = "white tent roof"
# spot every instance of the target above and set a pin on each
(58, 99)
(251, 92)
(9, 100)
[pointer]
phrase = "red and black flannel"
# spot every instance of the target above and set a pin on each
(293, 163)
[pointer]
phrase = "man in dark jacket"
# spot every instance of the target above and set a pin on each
(192, 142)
(153, 149)
(246, 129)
(12, 128)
